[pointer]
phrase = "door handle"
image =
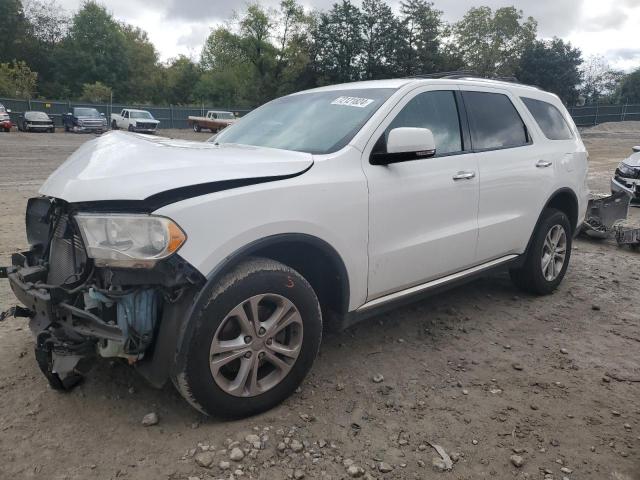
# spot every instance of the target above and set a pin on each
(464, 176)
(543, 164)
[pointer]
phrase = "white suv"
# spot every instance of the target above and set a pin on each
(215, 264)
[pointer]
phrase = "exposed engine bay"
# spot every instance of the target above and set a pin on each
(78, 309)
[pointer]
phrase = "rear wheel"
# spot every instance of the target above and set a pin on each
(196, 127)
(253, 342)
(548, 256)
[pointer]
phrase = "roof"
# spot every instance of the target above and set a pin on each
(401, 82)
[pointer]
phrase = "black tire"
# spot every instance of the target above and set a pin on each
(24, 127)
(530, 277)
(255, 276)
(52, 130)
(114, 125)
(196, 128)
(66, 128)
(130, 128)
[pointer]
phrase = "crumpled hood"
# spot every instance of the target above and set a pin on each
(127, 166)
(633, 160)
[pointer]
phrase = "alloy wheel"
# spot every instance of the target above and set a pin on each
(256, 345)
(554, 252)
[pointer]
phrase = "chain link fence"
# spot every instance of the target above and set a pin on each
(595, 114)
(176, 116)
(170, 116)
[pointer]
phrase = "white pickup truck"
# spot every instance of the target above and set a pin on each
(134, 121)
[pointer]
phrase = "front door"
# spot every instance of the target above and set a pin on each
(422, 213)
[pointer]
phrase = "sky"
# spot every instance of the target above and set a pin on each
(598, 27)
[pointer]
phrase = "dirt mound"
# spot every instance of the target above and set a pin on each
(616, 127)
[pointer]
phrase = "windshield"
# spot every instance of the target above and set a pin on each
(223, 115)
(316, 122)
(36, 116)
(86, 112)
(141, 115)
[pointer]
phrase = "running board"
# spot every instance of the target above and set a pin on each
(434, 283)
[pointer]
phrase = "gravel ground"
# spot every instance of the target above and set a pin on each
(510, 386)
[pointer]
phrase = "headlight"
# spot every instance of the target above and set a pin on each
(130, 241)
(625, 169)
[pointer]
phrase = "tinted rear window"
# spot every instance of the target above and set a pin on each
(549, 119)
(494, 121)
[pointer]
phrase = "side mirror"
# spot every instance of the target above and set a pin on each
(405, 144)
(636, 149)
(8, 110)
(101, 114)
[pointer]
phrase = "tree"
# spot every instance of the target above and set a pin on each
(381, 40)
(491, 43)
(17, 80)
(553, 66)
(629, 90)
(95, 93)
(600, 81)
(95, 50)
(422, 27)
(142, 80)
(339, 43)
(181, 77)
(14, 30)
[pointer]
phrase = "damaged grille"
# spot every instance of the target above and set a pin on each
(67, 256)
(629, 172)
(146, 126)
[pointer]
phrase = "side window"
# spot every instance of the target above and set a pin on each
(549, 119)
(494, 121)
(126, 114)
(436, 111)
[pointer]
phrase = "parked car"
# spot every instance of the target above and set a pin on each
(215, 264)
(214, 121)
(84, 119)
(38, 121)
(5, 120)
(627, 176)
(134, 121)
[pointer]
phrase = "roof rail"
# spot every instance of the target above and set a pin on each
(456, 74)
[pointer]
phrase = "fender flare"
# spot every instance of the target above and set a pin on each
(177, 328)
(560, 191)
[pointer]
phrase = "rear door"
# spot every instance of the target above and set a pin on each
(516, 178)
(422, 212)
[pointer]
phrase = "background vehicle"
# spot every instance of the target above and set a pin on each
(627, 176)
(214, 121)
(5, 120)
(215, 264)
(37, 121)
(134, 121)
(83, 119)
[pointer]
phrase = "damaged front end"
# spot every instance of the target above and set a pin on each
(99, 285)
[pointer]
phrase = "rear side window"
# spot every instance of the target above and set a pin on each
(436, 111)
(494, 121)
(549, 119)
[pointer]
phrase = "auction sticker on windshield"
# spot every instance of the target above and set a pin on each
(352, 101)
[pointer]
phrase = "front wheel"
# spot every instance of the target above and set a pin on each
(114, 125)
(253, 341)
(548, 256)
(24, 127)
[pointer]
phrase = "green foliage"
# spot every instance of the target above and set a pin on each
(17, 80)
(553, 66)
(96, 92)
(262, 53)
(600, 81)
(492, 43)
(629, 91)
